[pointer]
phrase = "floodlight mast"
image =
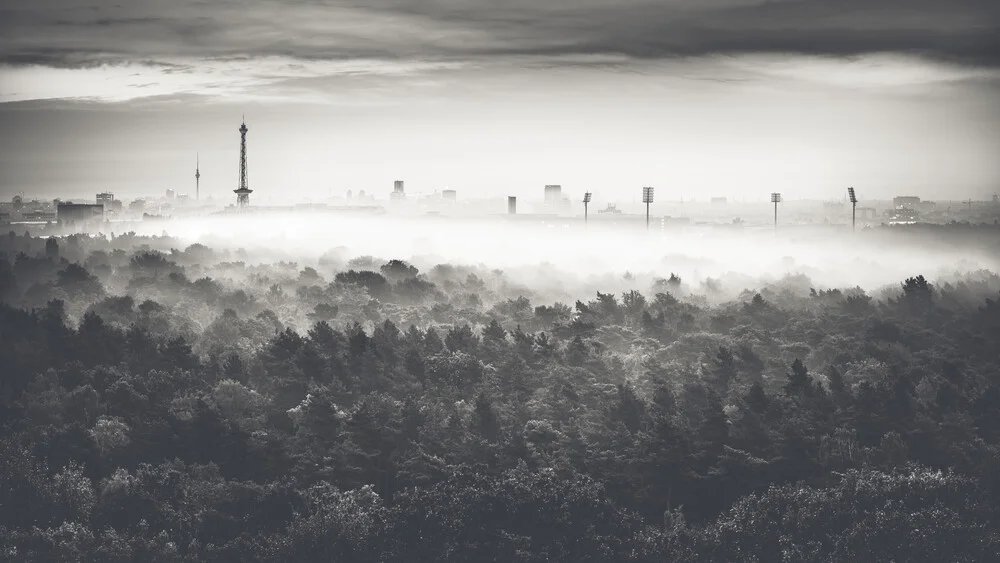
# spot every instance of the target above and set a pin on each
(586, 201)
(775, 199)
(854, 208)
(647, 198)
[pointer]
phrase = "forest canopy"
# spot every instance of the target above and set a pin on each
(163, 402)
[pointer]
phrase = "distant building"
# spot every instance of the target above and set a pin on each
(611, 208)
(904, 215)
(38, 216)
(170, 194)
(398, 194)
(449, 195)
(719, 200)
(511, 205)
(905, 201)
(137, 205)
(553, 194)
(79, 214)
(105, 199)
(867, 212)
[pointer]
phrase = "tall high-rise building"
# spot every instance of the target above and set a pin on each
(553, 194)
(243, 192)
(511, 205)
(397, 191)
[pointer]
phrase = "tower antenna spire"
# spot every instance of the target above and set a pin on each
(197, 176)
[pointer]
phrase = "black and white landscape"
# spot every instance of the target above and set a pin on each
(756, 320)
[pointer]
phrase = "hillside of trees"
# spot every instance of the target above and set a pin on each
(162, 403)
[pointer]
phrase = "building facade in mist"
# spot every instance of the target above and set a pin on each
(866, 213)
(553, 194)
(511, 205)
(905, 202)
(398, 191)
(79, 215)
(449, 195)
(105, 199)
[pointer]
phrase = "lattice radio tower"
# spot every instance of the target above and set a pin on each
(244, 191)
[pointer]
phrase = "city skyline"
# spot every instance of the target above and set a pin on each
(714, 98)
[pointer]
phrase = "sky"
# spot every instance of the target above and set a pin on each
(698, 98)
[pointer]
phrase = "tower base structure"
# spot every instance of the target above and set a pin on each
(243, 197)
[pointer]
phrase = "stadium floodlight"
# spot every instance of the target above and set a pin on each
(586, 201)
(775, 199)
(647, 198)
(854, 208)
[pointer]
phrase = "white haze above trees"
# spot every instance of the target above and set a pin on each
(562, 261)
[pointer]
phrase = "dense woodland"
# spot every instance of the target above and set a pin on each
(165, 403)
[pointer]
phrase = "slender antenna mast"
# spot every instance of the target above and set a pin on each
(197, 176)
(775, 199)
(647, 198)
(854, 208)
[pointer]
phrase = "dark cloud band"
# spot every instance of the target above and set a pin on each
(64, 34)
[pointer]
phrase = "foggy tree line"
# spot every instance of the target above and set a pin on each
(165, 404)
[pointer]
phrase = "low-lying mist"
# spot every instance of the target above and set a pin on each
(562, 259)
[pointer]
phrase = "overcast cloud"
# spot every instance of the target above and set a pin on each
(70, 33)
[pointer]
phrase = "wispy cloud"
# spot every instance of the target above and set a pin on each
(235, 46)
(207, 77)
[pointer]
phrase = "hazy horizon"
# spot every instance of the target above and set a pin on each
(562, 261)
(732, 98)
